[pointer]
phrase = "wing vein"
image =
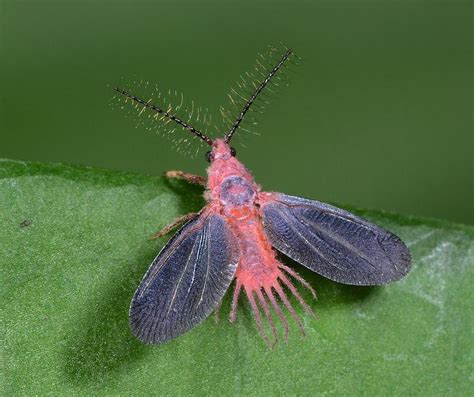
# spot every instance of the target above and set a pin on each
(306, 240)
(181, 277)
(201, 238)
(333, 213)
(342, 242)
(161, 263)
(207, 268)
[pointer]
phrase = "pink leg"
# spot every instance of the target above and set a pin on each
(217, 311)
(295, 275)
(256, 312)
(278, 311)
(172, 225)
(233, 312)
(295, 292)
(191, 178)
(267, 312)
(287, 303)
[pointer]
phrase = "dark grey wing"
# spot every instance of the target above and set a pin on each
(186, 281)
(334, 243)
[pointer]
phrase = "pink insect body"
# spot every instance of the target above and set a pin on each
(237, 236)
(233, 193)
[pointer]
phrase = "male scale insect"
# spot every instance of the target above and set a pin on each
(235, 236)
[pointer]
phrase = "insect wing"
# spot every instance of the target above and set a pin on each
(186, 281)
(333, 242)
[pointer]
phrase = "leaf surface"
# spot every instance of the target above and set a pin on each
(74, 246)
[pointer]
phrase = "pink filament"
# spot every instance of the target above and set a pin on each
(303, 282)
(295, 292)
(265, 296)
(268, 314)
(278, 311)
(258, 320)
(235, 298)
(287, 303)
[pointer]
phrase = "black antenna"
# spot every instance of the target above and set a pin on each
(149, 105)
(259, 89)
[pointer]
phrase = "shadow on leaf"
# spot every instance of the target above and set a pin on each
(103, 342)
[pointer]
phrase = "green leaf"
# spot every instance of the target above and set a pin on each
(74, 246)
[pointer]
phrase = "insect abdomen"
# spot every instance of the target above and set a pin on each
(263, 277)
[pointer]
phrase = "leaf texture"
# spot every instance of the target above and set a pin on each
(74, 247)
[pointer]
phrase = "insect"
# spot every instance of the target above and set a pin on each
(237, 236)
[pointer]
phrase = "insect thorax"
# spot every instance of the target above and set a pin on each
(236, 192)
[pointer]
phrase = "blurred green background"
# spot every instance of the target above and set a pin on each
(379, 114)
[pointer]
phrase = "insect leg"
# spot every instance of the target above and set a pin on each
(268, 314)
(174, 224)
(191, 178)
(287, 303)
(279, 313)
(256, 312)
(217, 311)
(295, 292)
(233, 312)
(305, 284)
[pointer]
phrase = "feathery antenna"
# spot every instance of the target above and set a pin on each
(166, 114)
(258, 90)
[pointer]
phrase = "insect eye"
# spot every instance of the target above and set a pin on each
(209, 156)
(233, 152)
